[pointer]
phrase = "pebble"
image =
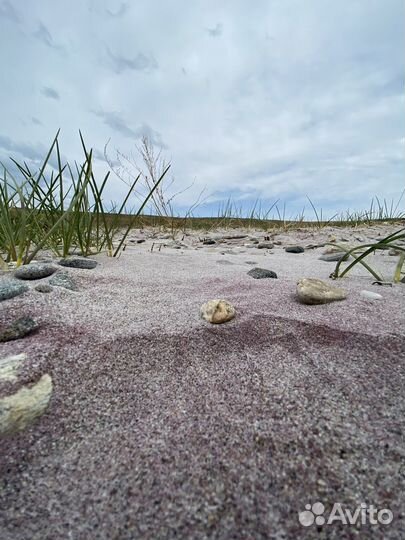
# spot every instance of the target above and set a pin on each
(394, 252)
(251, 262)
(294, 249)
(217, 311)
(261, 273)
(224, 262)
(333, 257)
(76, 262)
(22, 408)
(235, 237)
(34, 271)
(370, 295)
(265, 245)
(140, 241)
(316, 291)
(18, 329)
(9, 289)
(63, 279)
(43, 288)
(208, 242)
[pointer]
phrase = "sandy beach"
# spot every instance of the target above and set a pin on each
(164, 426)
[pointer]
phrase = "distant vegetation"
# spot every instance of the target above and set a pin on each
(63, 208)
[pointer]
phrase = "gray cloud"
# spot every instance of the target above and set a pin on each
(49, 92)
(43, 35)
(8, 11)
(117, 123)
(217, 31)
(124, 7)
(36, 121)
(140, 63)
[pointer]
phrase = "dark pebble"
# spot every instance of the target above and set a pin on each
(34, 271)
(294, 249)
(85, 264)
(265, 245)
(63, 279)
(208, 242)
(18, 329)
(261, 273)
(9, 289)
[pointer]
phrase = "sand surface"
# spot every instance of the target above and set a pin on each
(163, 426)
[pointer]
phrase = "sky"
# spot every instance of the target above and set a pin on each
(265, 99)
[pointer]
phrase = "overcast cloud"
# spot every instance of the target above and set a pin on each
(270, 99)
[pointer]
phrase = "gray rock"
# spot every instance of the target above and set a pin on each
(34, 271)
(316, 291)
(140, 241)
(261, 273)
(251, 262)
(235, 237)
(294, 249)
(224, 262)
(18, 329)
(77, 262)
(43, 288)
(9, 289)
(208, 242)
(265, 245)
(334, 257)
(63, 279)
(394, 252)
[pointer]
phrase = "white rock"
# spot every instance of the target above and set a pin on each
(20, 409)
(9, 366)
(371, 295)
(316, 291)
(217, 311)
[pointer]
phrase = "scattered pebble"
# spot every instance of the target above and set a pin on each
(261, 273)
(294, 249)
(316, 291)
(63, 279)
(140, 241)
(22, 408)
(208, 242)
(34, 271)
(265, 245)
(224, 262)
(18, 329)
(9, 289)
(251, 262)
(394, 252)
(371, 295)
(217, 311)
(334, 257)
(43, 288)
(76, 262)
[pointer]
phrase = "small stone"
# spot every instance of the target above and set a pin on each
(235, 237)
(316, 291)
(208, 242)
(34, 271)
(334, 257)
(76, 262)
(63, 279)
(140, 241)
(217, 311)
(9, 366)
(394, 252)
(251, 262)
(265, 245)
(261, 273)
(294, 249)
(371, 295)
(224, 262)
(22, 408)
(43, 288)
(18, 329)
(9, 289)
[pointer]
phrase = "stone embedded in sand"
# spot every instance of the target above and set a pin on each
(371, 295)
(77, 262)
(18, 329)
(34, 271)
(334, 257)
(9, 366)
(265, 245)
(64, 280)
(316, 291)
(22, 408)
(43, 288)
(9, 289)
(208, 242)
(261, 273)
(294, 249)
(217, 311)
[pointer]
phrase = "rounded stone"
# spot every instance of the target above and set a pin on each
(261, 273)
(316, 291)
(265, 245)
(43, 288)
(334, 257)
(294, 249)
(63, 279)
(81, 263)
(9, 289)
(18, 329)
(217, 311)
(34, 271)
